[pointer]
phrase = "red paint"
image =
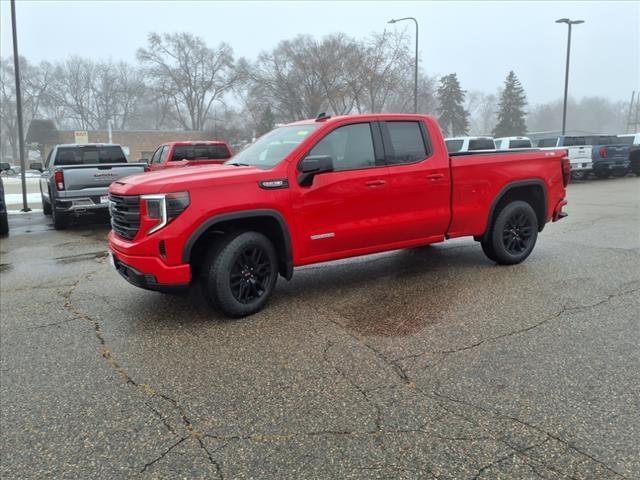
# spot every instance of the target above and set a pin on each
(351, 212)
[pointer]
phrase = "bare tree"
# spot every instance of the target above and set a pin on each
(191, 74)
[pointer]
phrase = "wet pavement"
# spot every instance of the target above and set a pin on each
(422, 363)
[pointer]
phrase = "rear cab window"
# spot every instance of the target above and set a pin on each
(548, 142)
(87, 155)
(519, 144)
(454, 146)
(200, 152)
(575, 141)
(481, 144)
(407, 142)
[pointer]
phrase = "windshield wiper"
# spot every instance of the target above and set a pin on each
(238, 164)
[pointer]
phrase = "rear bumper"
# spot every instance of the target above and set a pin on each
(612, 164)
(558, 214)
(581, 166)
(151, 273)
(79, 205)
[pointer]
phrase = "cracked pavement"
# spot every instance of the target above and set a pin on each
(422, 363)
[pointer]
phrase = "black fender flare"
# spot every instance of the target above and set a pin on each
(243, 215)
(510, 186)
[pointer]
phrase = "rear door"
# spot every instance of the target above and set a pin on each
(347, 210)
(418, 179)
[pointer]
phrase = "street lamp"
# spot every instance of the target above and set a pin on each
(566, 75)
(415, 86)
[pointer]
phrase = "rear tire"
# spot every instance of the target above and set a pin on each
(4, 224)
(513, 234)
(602, 174)
(60, 219)
(240, 273)
(46, 206)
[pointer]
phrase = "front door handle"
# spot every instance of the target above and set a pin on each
(375, 183)
(434, 177)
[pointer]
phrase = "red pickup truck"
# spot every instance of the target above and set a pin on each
(184, 154)
(324, 189)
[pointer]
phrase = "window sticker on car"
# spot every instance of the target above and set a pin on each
(302, 133)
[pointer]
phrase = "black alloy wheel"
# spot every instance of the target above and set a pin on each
(512, 235)
(517, 233)
(250, 274)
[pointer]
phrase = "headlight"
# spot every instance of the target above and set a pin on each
(165, 207)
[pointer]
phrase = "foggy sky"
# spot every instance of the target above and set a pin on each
(481, 41)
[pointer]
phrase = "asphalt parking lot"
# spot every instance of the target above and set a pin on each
(423, 363)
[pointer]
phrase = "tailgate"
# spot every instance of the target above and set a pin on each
(82, 177)
(579, 153)
(616, 152)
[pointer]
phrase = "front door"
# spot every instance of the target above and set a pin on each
(347, 210)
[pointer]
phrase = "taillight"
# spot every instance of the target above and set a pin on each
(566, 171)
(58, 177)
(603, 152)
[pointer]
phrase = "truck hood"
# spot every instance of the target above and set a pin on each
(184, 179)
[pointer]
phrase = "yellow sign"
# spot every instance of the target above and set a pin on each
(82, 136)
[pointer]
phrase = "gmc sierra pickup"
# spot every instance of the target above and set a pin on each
(324, 189)
(187, 154)
(75, 179)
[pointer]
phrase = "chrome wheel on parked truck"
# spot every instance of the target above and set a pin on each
(513, 234)
(240, 273)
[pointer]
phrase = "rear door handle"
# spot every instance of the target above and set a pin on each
(434, 177)
(375, 183)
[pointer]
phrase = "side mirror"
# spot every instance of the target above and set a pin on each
(36, 166)
(313, 165)
(4, 166)
(144, 160)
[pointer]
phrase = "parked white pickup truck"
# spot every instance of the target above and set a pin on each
(468, 144)
(579, 153)
(75, 179)
(508, 143)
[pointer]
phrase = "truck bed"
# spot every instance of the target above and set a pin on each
(479, 178)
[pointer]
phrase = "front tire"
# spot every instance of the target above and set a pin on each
(240, 274)
(513, 234)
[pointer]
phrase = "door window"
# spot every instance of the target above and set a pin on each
(350, 147)
(156, 156)
(407, 144)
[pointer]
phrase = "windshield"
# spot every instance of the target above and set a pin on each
(270, 149)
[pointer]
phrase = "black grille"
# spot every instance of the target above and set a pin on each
(125, 215)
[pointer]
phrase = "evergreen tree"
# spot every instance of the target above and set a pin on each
(267, 121)
(511, 109)
(453, 118)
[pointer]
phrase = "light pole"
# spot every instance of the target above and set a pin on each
(415, 86)
(566, 75)
(16, 72)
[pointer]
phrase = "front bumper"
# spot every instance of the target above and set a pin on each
(151, 273)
